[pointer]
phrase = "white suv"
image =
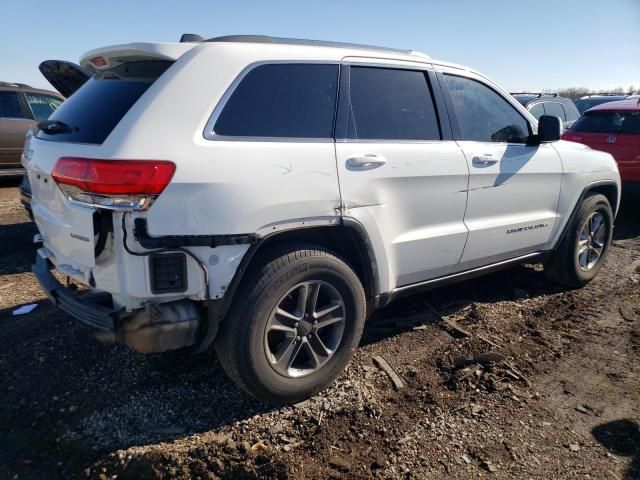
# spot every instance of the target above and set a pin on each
(268, 194)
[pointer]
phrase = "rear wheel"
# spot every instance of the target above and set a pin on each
(295, 326)
(585, 247)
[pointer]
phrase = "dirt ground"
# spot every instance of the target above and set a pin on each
(562, 402)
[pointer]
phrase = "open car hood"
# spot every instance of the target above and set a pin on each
(66, 77)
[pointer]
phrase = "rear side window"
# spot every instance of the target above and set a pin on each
(555, 110)
(42, 106)
(10, 106)
(282, 101)
(95, 109)
(608, 122)
(571, 114)
(537, 110)
(483, 115)
(391, 104)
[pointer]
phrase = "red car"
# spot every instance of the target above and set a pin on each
(613, 127)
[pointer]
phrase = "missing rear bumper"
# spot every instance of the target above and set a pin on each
(93, 309)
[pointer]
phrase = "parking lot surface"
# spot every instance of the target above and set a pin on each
(505, 376)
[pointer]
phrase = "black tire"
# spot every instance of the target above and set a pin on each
(563, 267)
(241, 345)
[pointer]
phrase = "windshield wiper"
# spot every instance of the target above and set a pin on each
(52, 127)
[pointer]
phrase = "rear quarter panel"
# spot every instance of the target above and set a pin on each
(223, 186)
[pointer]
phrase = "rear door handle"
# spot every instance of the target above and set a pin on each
(370, 160)
(484, 160)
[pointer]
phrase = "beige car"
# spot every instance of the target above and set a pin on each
(21, 107)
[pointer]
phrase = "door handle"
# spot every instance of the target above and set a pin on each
(484, 160)
(370, 160)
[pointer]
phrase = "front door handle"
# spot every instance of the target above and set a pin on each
(370, 160)
(484, 160)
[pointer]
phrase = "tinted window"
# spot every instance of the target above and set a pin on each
(537, 110)
(95, 109)
(554, 109)
(282, 100)
(608, 122)
(10, 105)
(391, 104)
(42, 106)
(570, 113)
(483, 115)
(586, 103)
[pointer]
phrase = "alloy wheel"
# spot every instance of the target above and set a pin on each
(305, 328)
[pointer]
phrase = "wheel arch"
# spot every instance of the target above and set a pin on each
(349, 240)
(609, 188)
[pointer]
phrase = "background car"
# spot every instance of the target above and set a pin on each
(540, 104)
(613, 127)
(21, 107)
(589, 101)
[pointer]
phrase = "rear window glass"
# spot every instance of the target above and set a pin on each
(282, 101)
(570, 113)
(554, 109)
(537, 110)
(10, 106)
(95, 109)
(608, 122)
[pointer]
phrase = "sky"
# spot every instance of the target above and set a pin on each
(523, 45)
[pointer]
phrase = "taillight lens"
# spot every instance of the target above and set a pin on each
(122, 184)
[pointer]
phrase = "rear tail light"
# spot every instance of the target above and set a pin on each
(114, 184)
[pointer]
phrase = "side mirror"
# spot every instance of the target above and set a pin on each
(549, 129)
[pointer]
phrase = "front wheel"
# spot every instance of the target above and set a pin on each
(584, 249)
(296, 322)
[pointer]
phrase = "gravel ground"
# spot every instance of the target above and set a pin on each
(507, 376)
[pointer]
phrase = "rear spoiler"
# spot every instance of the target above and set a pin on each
(67, 77)
(107, 57)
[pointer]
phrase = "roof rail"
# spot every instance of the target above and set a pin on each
(608, 94)
(313, 43)
(14, 84)
(536, 94)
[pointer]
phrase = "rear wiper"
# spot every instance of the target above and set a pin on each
(52, 127)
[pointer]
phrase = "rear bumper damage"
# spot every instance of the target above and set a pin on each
(155, 328)
(93, 309)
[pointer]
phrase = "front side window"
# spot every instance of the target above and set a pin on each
(537, 110)
(10, 105)
(483, 115)
(42, 105)
(555, 109)
(391, 104)
(282, 100)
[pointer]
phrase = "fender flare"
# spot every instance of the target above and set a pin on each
(218, 309)
(588, 189)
